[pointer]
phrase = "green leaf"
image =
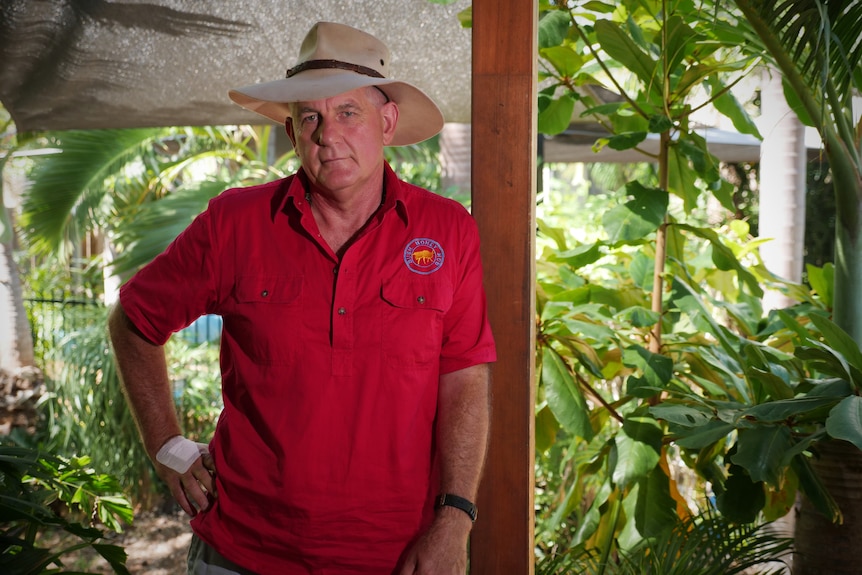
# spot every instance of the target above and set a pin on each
(564, 59)
(547, 427)
(813, 488)
(760, 452)
(684, 415)
(828, 361)
(638, 217)
(775, 411)
(742, 499)
(639, 316)
(724, 258)
(621, 48)
(822, 281)
(845, 420)
(655, 511)
(599, 7)
(682, 180)
(557, 116)
(564, 396)
(659, 123)
(657, 368)
(465, 17)
(680, 41)
(703, 435)
(626, 140)
(580, 256)
(604, 109)
(115, 555)
(638, 447)
(553, 28)
(840, 341)
(728, 105)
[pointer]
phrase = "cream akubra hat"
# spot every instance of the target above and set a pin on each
(336, 58)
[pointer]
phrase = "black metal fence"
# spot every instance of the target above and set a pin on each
(56, 314)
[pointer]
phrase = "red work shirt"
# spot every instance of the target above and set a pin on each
(329, 368)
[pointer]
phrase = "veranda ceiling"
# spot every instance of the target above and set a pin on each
(85, 64)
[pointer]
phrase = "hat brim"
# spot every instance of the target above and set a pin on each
(419, 117)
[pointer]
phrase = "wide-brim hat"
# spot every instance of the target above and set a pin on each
(334, 59)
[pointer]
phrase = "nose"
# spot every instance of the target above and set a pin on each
(325, 134)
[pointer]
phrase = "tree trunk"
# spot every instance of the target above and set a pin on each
(823, 547)
(16, 341)
(782, 188)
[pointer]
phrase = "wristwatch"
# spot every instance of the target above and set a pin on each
(449, 500)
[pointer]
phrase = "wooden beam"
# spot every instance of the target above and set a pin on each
(503, 178)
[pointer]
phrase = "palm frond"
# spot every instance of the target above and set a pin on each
(708, 544)
(68, 187)
(148, 231)
(816, 45)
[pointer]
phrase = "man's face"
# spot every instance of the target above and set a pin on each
(340, 140)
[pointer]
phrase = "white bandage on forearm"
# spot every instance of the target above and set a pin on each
(179, 453)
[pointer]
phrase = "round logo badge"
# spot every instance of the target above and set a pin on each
(423, 256)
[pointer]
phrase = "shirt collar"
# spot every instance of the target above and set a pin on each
(394, 199)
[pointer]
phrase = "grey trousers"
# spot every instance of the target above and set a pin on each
(204, 560)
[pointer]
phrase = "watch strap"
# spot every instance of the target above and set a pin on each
(449, 500)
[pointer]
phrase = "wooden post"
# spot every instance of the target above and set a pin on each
(504, 98)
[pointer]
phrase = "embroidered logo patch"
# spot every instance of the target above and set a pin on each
(423, 256)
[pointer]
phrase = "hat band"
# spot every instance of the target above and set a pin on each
(325, 64)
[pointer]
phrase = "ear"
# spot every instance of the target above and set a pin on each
(389, 115)
(288, 127)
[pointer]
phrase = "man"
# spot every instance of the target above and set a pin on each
(355, 343)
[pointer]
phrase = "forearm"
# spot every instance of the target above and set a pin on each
(144, 375)
(463, 418)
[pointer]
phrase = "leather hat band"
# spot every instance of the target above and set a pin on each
(325, 64)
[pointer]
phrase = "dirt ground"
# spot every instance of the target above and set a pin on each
(156, 544)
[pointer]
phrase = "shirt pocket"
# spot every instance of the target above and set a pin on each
(267, 318)
(413, 313)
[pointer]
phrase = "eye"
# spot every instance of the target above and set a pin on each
(308, 118)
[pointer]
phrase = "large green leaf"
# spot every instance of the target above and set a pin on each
(845, 420)
(638, 447)
(775, 411)
(564, 396)
(638, 217)
(760, 452)
(724, 258)
(742, 499)
(656, 370)
(625, 140)
(841, 342)
(822, 281)
(828, 361)
(727, 104)
(702, 435)
(682, 179)
(565, 61)
(655, 511)
(557, 116)
(813, 488)
(681, 414)
(619, 46)
(553, 28)
(681, 42)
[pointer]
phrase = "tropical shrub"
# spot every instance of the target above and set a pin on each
(40, 493)
(654, 351)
